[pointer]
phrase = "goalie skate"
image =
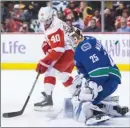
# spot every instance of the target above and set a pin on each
(45, 105)
(113, 109)
(99, 118)
(121, 110)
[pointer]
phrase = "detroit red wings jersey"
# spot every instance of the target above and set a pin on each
(57, 35)
(57, 40)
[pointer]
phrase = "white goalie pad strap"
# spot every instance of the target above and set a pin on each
(59, 49)
(86, 97)
(42, 63)
(112, 99)
(75, 83)
(78, 78)
(95, 88)
(85, 92)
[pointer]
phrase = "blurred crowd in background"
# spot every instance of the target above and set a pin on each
(21, 16)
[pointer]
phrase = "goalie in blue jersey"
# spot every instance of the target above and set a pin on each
(98, 77)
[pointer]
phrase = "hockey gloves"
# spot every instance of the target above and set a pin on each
(89, 90)
(42, 66)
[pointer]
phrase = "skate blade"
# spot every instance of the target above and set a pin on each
(93, 121)
(43, 109)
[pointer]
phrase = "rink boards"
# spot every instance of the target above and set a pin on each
(23, 51)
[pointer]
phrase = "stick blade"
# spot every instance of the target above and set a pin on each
(12, 114)
(5, 115)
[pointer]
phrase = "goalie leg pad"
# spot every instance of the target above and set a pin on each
(68, 108)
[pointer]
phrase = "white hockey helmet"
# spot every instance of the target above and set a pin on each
(45, 15)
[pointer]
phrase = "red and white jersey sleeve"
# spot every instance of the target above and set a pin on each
(45, 47)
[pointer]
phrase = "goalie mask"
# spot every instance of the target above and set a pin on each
(45, 16)
(76, 35)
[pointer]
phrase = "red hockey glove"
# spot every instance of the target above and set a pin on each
(42, 66)
(45, 47)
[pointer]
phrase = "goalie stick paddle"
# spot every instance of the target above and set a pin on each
(54, 115)
(18, 113)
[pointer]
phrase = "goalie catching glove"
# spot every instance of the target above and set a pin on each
(89, 90)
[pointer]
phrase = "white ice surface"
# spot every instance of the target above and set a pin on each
(15, 86)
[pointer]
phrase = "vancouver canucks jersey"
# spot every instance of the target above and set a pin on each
(92, 60)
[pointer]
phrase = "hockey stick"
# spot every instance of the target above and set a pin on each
(18, 113)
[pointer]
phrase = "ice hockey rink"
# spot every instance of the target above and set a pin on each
(15, 86)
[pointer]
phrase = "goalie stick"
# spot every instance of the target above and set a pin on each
(18, 113)
(55, 114)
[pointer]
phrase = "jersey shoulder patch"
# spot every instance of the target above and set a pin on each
(86, 46)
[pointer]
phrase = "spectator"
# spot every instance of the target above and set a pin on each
(86, 12)
(33, 9)
(72, 5)
(77, 21)
(97, 17)
(17, 11)
(78, 13)
(10, 7)
(69, 22)
(83, 5)
(26, 15)
(109, 20)
(124, 27)
(4, 12)
(25, 28)
(68, 12)
(120, 9)
(92, 27)
(12, 25)
(125, 14)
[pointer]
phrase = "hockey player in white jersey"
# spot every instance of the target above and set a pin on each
(58, 61)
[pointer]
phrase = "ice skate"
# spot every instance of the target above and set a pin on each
(98, 117)
(121, 110)
(113, 109)
(45, 105)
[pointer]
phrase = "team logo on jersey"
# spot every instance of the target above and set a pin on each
(86, 47)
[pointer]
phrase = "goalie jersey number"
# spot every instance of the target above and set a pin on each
(94, 58)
